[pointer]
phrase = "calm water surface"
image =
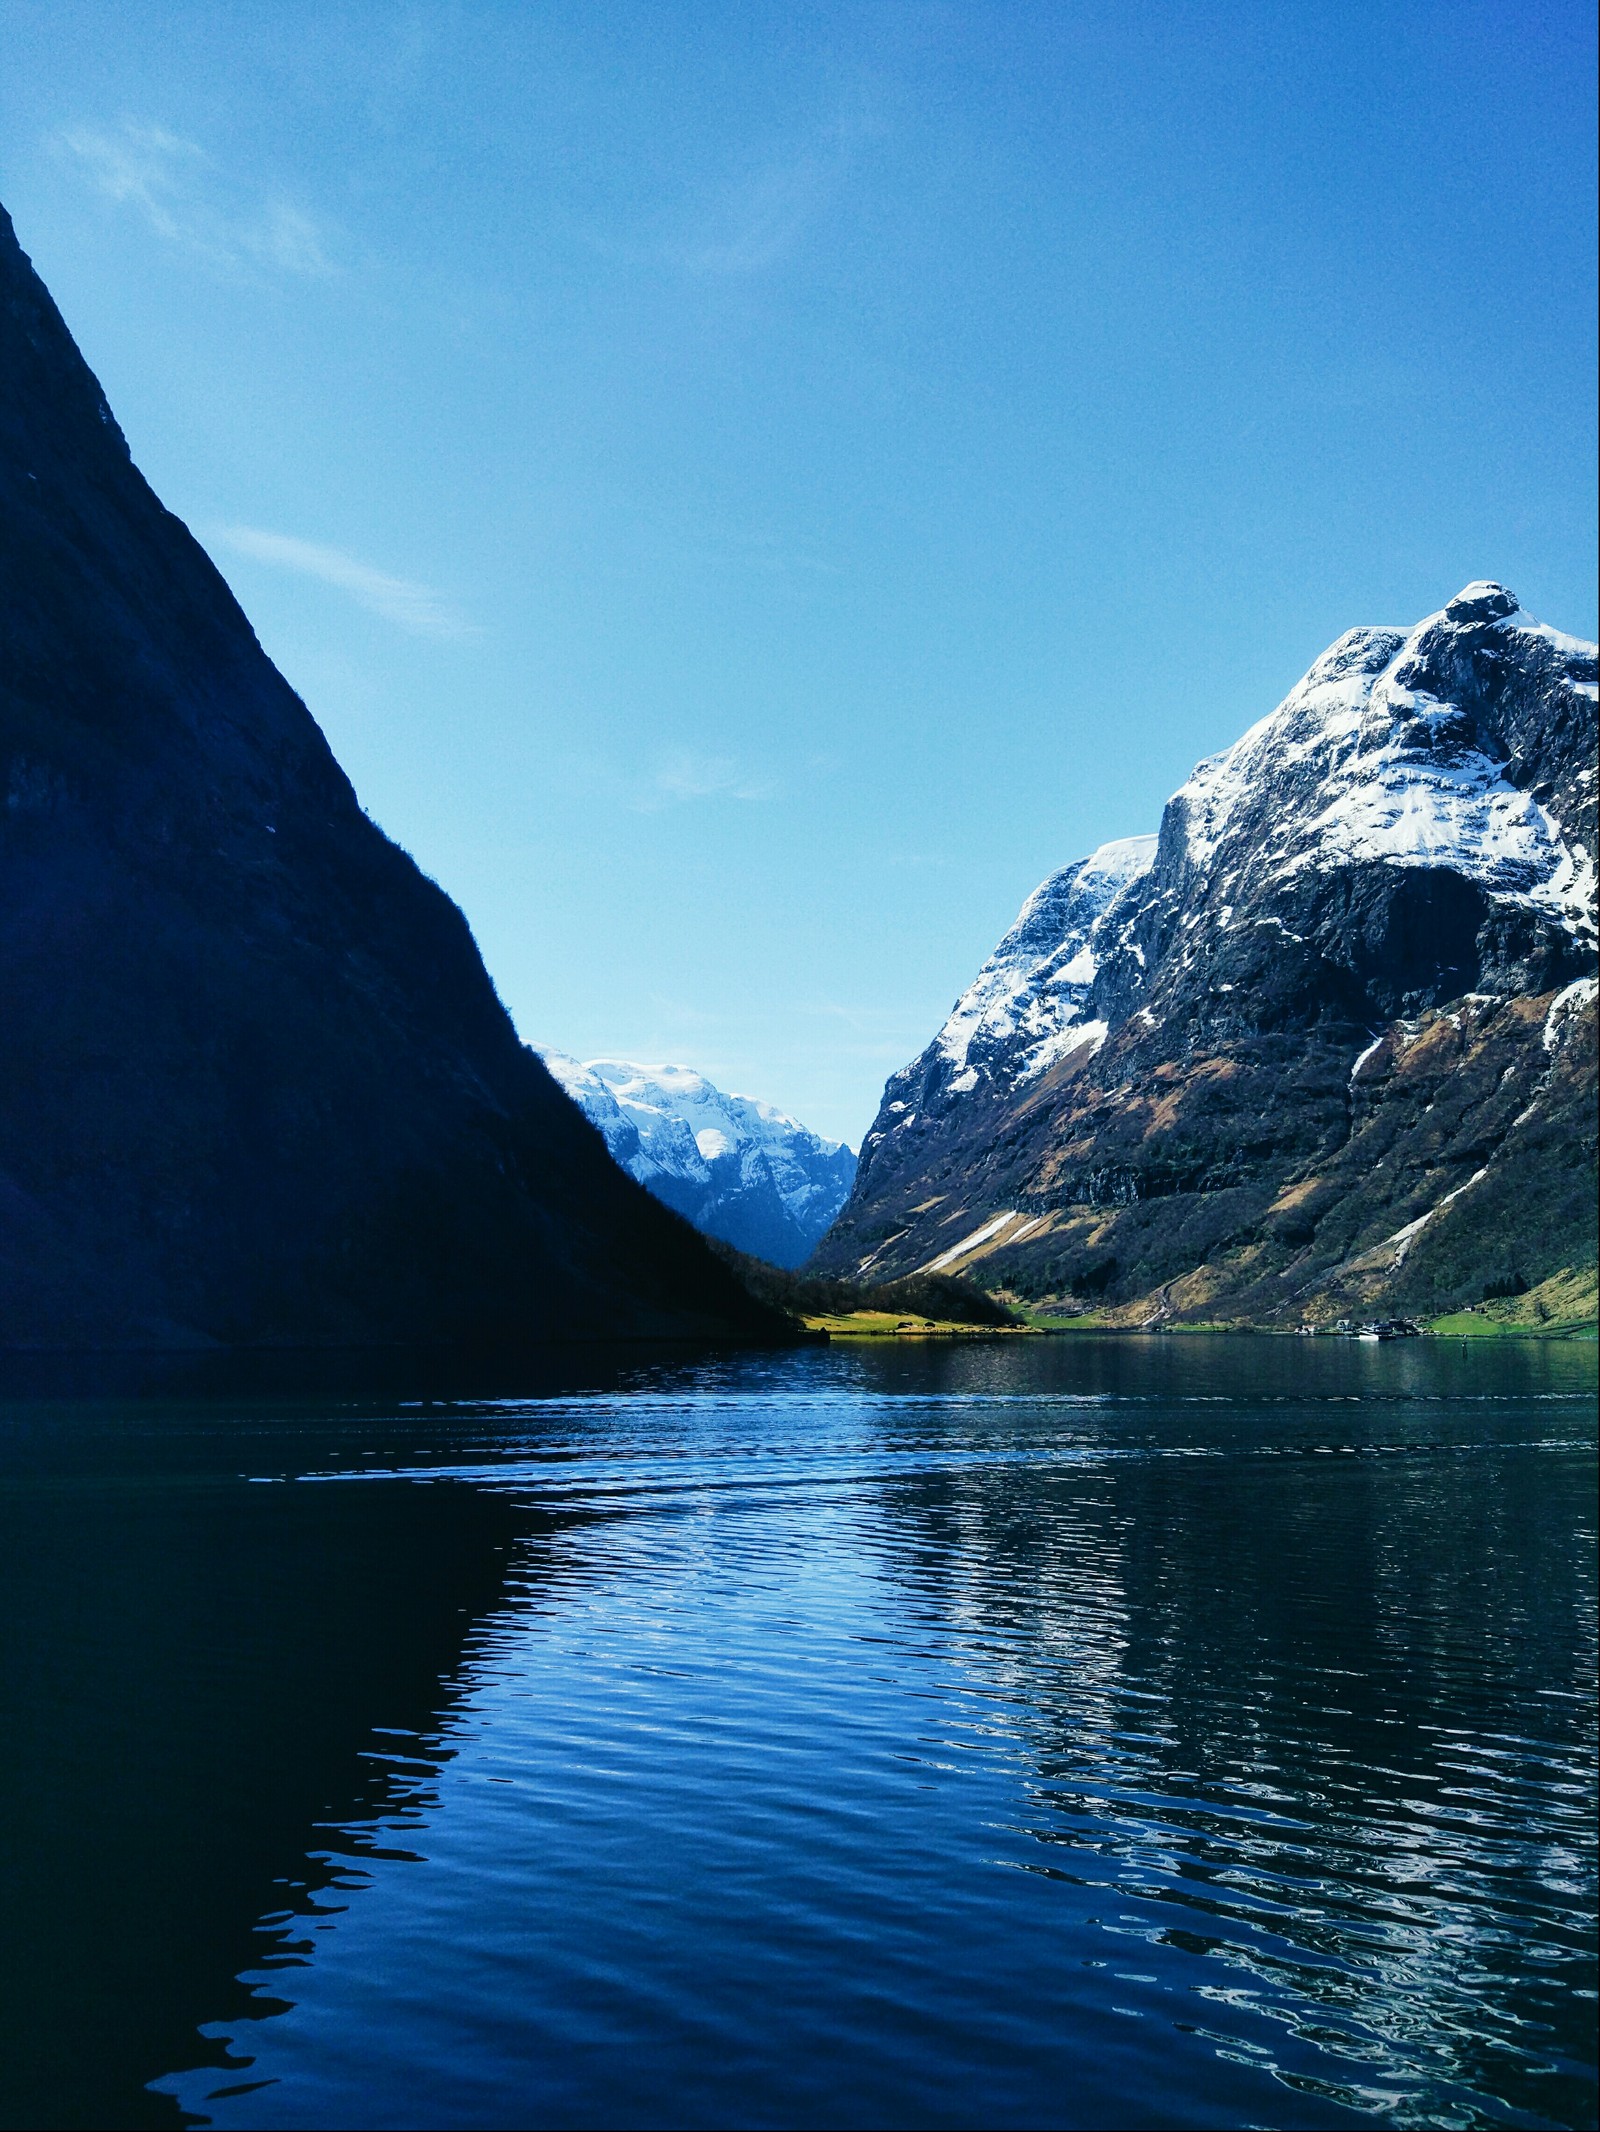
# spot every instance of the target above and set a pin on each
(1077, 1732)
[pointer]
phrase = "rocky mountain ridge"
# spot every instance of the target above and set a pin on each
(1189, 1081)
(739, 1169)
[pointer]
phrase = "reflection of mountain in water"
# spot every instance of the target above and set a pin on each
(197, 1666)
(1258, 1718)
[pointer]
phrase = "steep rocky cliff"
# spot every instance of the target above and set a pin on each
(255, 1085)
(1326, 1044)
(738, 1169)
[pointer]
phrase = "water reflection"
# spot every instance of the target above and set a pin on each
(1319, 1710)
(1179, 1733)
(195, 1671)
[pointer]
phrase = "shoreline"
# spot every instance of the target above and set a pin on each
(1449, 1328)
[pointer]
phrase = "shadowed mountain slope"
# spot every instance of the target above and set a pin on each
(1326, 1044)
(256, 1086)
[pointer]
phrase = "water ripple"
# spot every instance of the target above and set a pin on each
(845, 1751)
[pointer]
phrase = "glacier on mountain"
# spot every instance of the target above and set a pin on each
(737, 1168)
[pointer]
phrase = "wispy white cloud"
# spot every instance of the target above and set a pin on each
(761, 220)
(189, 200)
(756, 216)
(683, 776)
(416, 608)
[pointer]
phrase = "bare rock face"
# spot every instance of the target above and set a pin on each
(256, 1087)
(1327, 1041)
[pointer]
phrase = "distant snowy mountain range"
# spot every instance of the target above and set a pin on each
(738, 1169)
(1328, 1039)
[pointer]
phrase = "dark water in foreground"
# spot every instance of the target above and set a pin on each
(1186, 1732)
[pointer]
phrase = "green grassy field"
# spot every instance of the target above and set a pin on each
(1562, 1308)
(893, 1325)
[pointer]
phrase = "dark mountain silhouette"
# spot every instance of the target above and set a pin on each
(256, 1087)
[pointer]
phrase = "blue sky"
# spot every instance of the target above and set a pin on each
(748, 490)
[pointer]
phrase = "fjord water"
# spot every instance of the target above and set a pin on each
(1162, 1732)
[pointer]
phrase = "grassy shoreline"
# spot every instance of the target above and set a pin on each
(1462, 1324)
(1564, 1306)
(891, 1325)
(883, 1325)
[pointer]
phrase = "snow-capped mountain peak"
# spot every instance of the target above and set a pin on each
(1457, 747)
(737, 1168)
(1390, 750)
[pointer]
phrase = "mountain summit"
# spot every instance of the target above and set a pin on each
(1327, 1039)
(256, 1086)
(738, 1169)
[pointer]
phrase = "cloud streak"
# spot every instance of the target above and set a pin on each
(756, 217)
(186, 199)
(764, 219)
(683, 776)
(417, 609)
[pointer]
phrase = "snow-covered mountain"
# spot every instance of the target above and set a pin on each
(1031, 1003)
(1188, 1025)
(736, 1168)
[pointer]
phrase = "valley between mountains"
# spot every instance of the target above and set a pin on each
(741, 1171)
(1324, 1046)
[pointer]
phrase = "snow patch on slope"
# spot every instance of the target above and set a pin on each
(1028, 1000)
(1565, 1007)
(1321, 716)
(970, 1243)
